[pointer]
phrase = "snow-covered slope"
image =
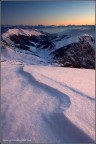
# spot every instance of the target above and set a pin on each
(8, 54)
(46, 104)
(73, 39)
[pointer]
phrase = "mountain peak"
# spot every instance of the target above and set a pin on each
(20, 31)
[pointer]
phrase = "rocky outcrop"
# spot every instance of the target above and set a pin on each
(77, 55)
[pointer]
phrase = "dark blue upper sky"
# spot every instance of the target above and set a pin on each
(48, 13)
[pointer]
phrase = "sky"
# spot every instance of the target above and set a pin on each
(48, 12)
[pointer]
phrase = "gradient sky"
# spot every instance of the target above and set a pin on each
(48, 13)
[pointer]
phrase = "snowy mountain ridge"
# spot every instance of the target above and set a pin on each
(21, 32)
(53, 48)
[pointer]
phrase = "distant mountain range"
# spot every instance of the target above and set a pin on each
(6, 27)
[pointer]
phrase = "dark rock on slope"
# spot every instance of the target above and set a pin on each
(77, 55)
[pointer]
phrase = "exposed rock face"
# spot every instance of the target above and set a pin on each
(77, 55)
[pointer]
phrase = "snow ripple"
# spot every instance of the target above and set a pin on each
(63, 99)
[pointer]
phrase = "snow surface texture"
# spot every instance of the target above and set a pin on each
(46, 104)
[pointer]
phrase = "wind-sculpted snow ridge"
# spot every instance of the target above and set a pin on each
(45, 104)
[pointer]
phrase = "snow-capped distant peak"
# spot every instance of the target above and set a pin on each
(21, 32)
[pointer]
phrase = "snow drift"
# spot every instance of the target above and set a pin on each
(46, 104)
